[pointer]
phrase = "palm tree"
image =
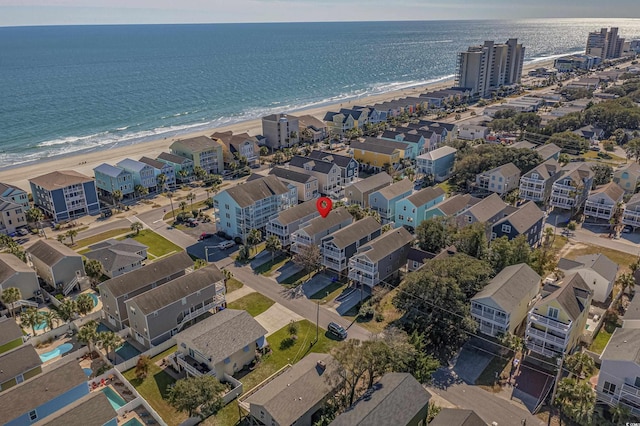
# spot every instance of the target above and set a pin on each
(11, 295)
(580, 364)
(278, 157)
(227, 274)
(620, 414)
(136, 227)
(31, 317)
(264, 151)
(199, 172)
(273, 245)
(253, 238)
(61, 238)
(85, 304)
(88, 334)
(50, 318)
(141, 190)
(109, 341)
(161, 180)
(183, 174)
(626, 281)
(169, 195)
(71, 233)
(191, 196)
(182, 205)
(67, 310)
(93, 268)
(116, 197)
(35, 215)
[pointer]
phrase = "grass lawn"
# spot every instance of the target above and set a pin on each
(621, 258)
(388, 311)
(101, 237)
(158, 245)
(270, 267)
(254, 303)
(593, 155)
(487, 378)
(445, 186)
(559, 242)
(334, 289)
(233, 284)
(601, 340)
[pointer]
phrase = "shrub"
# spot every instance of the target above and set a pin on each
(238, 240)
(60, 297)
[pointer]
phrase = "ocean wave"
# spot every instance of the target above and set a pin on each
(549, 57)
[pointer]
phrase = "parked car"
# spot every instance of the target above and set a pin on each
(205, 236)
(627, 229)
(22, 232)
(226, 244)
(337, 330)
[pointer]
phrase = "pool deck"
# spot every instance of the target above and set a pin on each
(49, 347)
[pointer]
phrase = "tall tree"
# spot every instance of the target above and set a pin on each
(88, 334)
(161, 182)
(633, 149)
(253, 238)
(50, 318)
(626, 282)
(198, 396)
(273, 245)
(34, 215)
(434, 234)
(9, 296)
(67, 310)
(85, 304)
(169, 195)
(116, 196)
(580, 364)
(191, 197)
(31, 318)
(602, 173)
(308, 258)
(472, 240)
(142, 367)
(136, 227)
(576, 400)
(71, 233)
(94, 269)
(110, 341)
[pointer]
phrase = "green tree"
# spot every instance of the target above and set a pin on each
(34, 215)
(136, 227)
(61, 238)
(356, 211)
(31, 318)
(580, 364)
(421, 365)
(191, 197)
(116, 196)
(569, 142)
(243, 253)
(308, 258)
(472, 240)
(182, 206)
(199, 263)
(197, 396)
(9, 296)
(140, 190)
(434, 234)
(253, 238)
(264, 151)
(626, 282)
(142, 367)
(110, 341)
(633, 149)
(620, 414)
(602, 173)
(278, 157)
(576, 400)
(50, 318)
(183, 174)
(500, 253)
(169, 195)
(161, 182)
(71, 233)
(67, 310)
(273, 245)
(199, 172)
(564, 159)
(85, 304)
(88, 334)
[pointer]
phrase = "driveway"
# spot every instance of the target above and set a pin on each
(471, 363)
(276, 317)
(318, 282)
(286, 270)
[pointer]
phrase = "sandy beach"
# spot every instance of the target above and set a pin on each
(85, 162)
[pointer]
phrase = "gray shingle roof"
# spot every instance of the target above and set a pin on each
(383, 142)
(174, 290)
(372, 182)
(50, 252)
(633, 310)
(247, 194)
(457, 417)
(425, 195)
(601, 264)
(448, 126)
(510, 286)
(131, 164)
(438, 153)
(488, 208)
(10, 265)
(292, 175)
(624, 345)
(95, 406)
(153, 163)
(198, 143)
(545, 170)
(60, 179)
(173, 158)
(148, 274)
(320, 224)
(9, 330)
(508, 169)
(20, 360)
(298, 212)
(611, 190)
(395, 400)
(548, 150)
(387, 243)
(354, 232)
(566, 296)
(457, 203)
(418, 255)
(373, 147)
(320, 166)
(396, 189)
(109, 170)
(524, 217)
(299, 388)
(339, 160)
(112, 258)
(223, 334)
(523, 145)
(40, 389)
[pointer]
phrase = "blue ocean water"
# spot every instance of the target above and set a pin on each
(69, 88)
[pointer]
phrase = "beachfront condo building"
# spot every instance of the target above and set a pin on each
(65, 194)
(281, 130)
(605, 44)
(486, 68)
(203, 151)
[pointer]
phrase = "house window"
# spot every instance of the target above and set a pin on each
(19, 379)
(506, 229)
(246, 348)
(493, 235)
(33, 415)
(609, 388)
(400, 217)
(553, 312)
(468, 218)
(227, 360)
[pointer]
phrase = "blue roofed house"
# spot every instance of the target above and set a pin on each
(143, 174)
(65, 194)
(111, 178)
(437, 163)
(14, 194)
(161, 168)
(412, 210)
(384, 199)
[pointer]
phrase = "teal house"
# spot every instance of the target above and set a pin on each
(412, 138)
(110, 178)
(412, 210)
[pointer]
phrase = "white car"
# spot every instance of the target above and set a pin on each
(226, 244)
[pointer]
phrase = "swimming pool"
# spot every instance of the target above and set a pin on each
(95, 299)
(88, 371)
(56, 352)
(127, 351)
(116, 401)
(133, 422)
(42, 325)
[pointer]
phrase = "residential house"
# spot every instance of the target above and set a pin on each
(43, 395)
(143, 174)
(488, 210)
(15, 273)
(237, 146)
(415, 141)
(416, 258)
(290, 220)
(572, 187)
(252, 205)
(408, 151)
(115, 291)
(10, 334)
(182, 166)
(56, 264)
(161, 168)
(549, 151)
(348, 166)
(118, 257)
(590, 132)
(396, 399)
(631, 317)
(503, 304)
(522, 145)
(631, 213)
(95, 406)
(14, 194)
(619, 377)
(384, 200)
(12, 217)
(470, 132)
(557, 321)
(452, 206)
(425, 138)
(527, 220)
(312, 232)
(536, 184)
(358, 192)
(203, 151)
(158, 314)
(501, 180)
(18, 365)
(376, 155)
(346, 119)
(312, 130)
(111, 178)
(437, 163)
(597, 270)
(65, 194)
(337, 248)
(448, 134)
(220, 345)
(306, 184)
(327, 172)
(457, 417)
(628, 177)
(380, 258)
(603, 202)
(281, 130)
(412, 210)
(296, 394)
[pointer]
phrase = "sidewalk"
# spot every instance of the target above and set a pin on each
(239, 293)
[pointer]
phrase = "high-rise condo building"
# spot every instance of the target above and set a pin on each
(605, 43)
(487, 67)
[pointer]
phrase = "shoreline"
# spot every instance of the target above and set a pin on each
(85, 161)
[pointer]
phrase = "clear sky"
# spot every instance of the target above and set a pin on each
(45, 12)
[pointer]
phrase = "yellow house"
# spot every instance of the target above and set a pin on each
(203, 151)
(558, 320)
(376, 155)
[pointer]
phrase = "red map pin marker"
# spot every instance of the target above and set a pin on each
(324, 206)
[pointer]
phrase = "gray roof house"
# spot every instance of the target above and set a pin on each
(15, 273)
(220, 345)
(396, 399)
(348, 166)
(358, 192)
(290, 220)
(500, 180)
(161, 168)
(10, 334)
(306, 183)
(384, 199)
(338, 247)
(328, 173)
(631, 317)
(549, 151)
(56, 264)
(143, 174)
(95, 406)
(457, 417)
(18, 365)
(158, 314)
(597, 270)
(118, 257)
(111, 178)
(488, 210)
(116, 291)
(317, 228)
(296, 394)
(603, 202)
(182, 166)
(527, 220)
(503, 304)
(535, 185)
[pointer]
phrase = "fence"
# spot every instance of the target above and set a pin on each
(73, 326)
(130, 363)
(233, 393)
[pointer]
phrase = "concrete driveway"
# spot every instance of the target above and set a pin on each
(276, 317)
(318, 282)
(471, 363)
(286, 270)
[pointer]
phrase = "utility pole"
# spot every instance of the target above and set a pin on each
(317, 319)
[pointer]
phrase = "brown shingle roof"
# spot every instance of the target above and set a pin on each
(611, 190)
(372, 182)
(249, 193)
(488, 208)
(567, 296)
(50, 251)
(510, 286)
(20, 360)
(320, 224)
(298, 212)
(10, 265)
(9, 330)
(60, 179)
(425, 195)
(524, 217)
(396, 189)
(196, 144)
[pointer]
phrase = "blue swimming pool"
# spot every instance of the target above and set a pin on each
(59, 350)
(95, 299)
(88, 371)
(126, 352)
(116, 401)
(133, 422)
(42, 325)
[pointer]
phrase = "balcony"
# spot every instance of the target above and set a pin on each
(332, 264)
(540, 349)
(631, 218)
(558, 341)
(336, 254)
(183, 319)
(193, 367)
(550, 322)
(481, 314)
(599, 211)
(365, 268)
(562, 202)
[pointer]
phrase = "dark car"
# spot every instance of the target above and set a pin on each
(205, 236)
(338, 330)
